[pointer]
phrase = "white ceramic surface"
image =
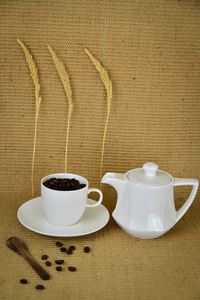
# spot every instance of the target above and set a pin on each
(66, 207)
(145, 205)
(31, 216)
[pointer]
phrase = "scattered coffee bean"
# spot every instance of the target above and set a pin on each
(59, 261)
(44, 257)
(72, 269)
(24, 281)
(39, 287)
(59, 244)
(59, 269)
(63, 249)
(72, 248)
(63, 184)
(48, 263)
(69, 251)
(87, 249)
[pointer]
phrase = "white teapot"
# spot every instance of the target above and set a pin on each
(145, 205)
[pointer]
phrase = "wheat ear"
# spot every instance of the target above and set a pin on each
(103, 74)
(64, 77)
(35, 78)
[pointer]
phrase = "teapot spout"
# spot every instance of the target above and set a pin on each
(119, 182)
(116, 180)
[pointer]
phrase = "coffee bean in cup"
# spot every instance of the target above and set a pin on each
(63, 184)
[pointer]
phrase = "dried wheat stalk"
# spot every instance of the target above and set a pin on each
(103, 74)
(35, 77)
(64, 77)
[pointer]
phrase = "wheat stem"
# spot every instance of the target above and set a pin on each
(67, 137)
(35, 78)
(33, 157)
(103, 146)
(103, 74)
(64, 77)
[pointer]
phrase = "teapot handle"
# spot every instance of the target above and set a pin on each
(186, 181)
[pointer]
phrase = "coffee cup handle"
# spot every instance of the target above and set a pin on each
(90, 190)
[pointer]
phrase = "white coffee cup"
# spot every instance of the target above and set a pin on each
(66, 207)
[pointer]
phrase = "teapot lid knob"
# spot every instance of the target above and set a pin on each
(150, 169)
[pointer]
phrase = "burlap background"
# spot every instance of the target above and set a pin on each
(151, 49)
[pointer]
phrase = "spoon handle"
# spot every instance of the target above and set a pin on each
(35, 265)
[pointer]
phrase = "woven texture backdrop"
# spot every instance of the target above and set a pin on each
(152, 52)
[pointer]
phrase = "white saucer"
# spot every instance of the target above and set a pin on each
(31, 216)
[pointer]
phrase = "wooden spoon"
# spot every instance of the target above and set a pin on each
(18, 246)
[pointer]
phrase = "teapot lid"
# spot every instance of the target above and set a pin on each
(149, 175)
